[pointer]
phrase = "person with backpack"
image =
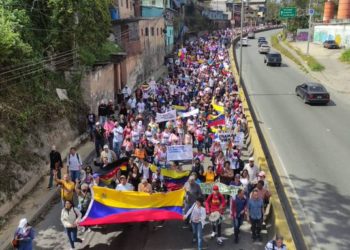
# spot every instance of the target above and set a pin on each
(215, 204)
(74, 164)
(70, 217)
(276, 244)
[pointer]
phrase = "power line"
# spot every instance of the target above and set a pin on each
(63, 54)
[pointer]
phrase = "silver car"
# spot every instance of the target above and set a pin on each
(264, 49)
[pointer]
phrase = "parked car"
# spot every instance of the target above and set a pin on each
(312, 92)
(251, 35)
(273, 58)
(244, 41)
(264, 48)
(262, 42)
(330, 44)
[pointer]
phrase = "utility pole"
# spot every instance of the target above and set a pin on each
(240, 43)
(309, 32)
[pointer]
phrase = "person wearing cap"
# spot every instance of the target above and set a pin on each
(24, 236)
(99, 138)
(238, 208)
(253, 172)
(216, 202)
(84, 196)
(109, 154)
(124, 185)
(117, 138)
(262, 176)
(196, 215)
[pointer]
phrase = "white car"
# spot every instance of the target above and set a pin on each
(244, 41)
(264, 49)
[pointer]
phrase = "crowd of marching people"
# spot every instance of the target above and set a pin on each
(203, 91)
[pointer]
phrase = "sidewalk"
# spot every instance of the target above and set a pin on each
(33, 204)
(336, 74)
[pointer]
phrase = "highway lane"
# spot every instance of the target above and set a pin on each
(310, 146)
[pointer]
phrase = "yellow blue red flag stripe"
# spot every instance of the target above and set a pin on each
(113, 207)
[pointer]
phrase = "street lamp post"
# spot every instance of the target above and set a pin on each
(240, 43)
(309, 32)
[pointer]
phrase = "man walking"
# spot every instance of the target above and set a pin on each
(99, 138)
(117, 138)
(255, 214)
(55, 165)
(74, 164)
(238, 209)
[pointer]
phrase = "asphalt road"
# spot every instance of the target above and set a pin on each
(310, 146)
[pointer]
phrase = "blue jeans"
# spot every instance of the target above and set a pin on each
(51, 176)
(237, 223)
(116, 147)
(74, 174)
(103, 119)
(197, 233)
(72, 233)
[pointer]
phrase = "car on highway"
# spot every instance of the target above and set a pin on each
(244, 41)
(330, 44)
(261, 38)
(312, 92)
(273, 58)
(251, 35)
(264, 48)
(262, 42)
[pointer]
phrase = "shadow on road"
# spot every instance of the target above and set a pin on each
(328, 212)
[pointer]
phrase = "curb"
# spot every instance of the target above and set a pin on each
(81, 140)
(283, 214)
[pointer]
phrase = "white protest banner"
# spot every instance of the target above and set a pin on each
(239, 138)
(189, 113)
(168, 116)
(179, 153)
(224, 137)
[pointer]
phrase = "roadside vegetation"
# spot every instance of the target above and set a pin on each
(276, 44)
(313, 64)
(345, 56)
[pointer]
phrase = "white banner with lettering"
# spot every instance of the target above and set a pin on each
(179, 153)
(239, 139)
(190, 113)
(168, 116)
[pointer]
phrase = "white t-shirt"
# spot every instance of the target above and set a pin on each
(118, 134)
(126, 187)
(135, 136)
(253, 172)
(141, 107)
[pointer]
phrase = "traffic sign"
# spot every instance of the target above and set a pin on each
(311, 12)
(288, 12)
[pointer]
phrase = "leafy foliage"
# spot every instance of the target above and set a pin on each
(345, 56)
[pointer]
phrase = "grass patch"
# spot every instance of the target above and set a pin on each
(276, 44)
(345, 56)
(313, 64)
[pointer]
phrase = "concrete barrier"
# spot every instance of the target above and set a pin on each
(279, 219)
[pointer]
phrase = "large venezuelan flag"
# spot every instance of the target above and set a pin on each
(113, 207)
